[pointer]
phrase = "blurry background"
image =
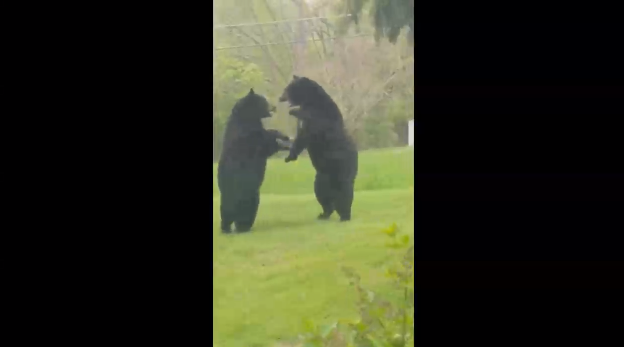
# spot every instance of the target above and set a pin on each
(260, 44)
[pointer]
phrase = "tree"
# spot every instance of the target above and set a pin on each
(371, 83)
(389, 17)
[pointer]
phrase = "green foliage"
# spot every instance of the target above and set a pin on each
(401, 109)
(389, 17)
(233, 81)
(381, 323)
(376, 132)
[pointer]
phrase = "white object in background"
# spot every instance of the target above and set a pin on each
(410, 136)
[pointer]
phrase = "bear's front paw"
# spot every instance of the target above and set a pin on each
(290, 158)
(284, 145)
(279, 135)
(283, 137)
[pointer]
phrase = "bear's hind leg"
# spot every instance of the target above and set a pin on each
(324, 195)
(344, 200)
(228, 213)
(248, 210)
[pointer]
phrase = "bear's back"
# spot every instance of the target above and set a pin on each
(329, 143)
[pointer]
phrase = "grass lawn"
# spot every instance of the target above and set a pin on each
(288, 268)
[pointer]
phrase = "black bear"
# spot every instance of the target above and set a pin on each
(246, 148)
(333, 154)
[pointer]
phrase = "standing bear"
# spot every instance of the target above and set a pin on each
(333, 154)
(246, 148)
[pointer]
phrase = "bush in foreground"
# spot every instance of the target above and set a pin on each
(381, 323)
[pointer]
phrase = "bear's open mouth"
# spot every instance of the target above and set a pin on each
(292, 105)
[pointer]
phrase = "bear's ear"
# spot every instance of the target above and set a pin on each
(295, 77)
(251, 92)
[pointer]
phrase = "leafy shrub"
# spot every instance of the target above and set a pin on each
(380, 323)
(233, 81)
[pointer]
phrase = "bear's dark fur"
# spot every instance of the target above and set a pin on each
(332, 152)
(246, 148)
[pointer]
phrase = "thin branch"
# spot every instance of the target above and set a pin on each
(284, 37)
(264, 49)
(288, 42)
(277, 21)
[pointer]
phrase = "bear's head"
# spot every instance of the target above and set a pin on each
(302, 91)
(253, 107)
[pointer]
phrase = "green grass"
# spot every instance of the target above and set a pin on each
(288, 268)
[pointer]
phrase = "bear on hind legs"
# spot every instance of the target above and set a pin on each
(333, 154)
(246, 148)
